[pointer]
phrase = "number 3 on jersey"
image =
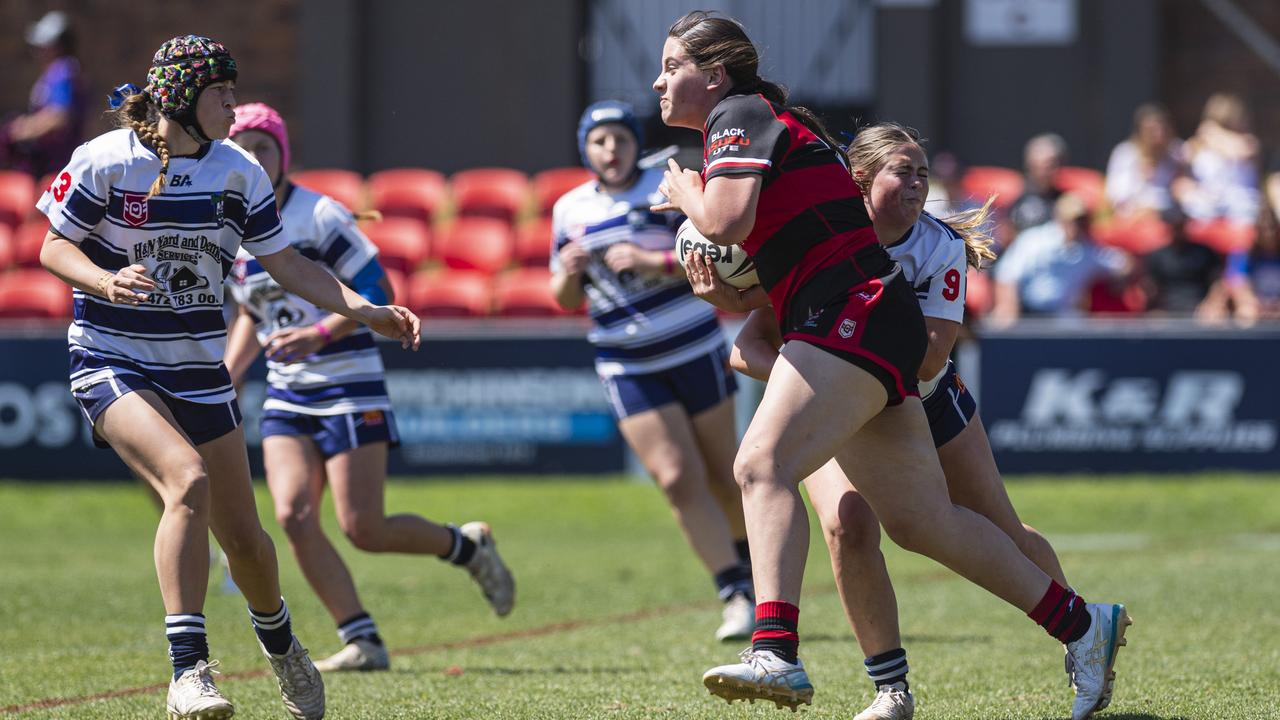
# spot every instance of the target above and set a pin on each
(60, 186)
(951, 280)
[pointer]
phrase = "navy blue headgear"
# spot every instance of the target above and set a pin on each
(607, 111)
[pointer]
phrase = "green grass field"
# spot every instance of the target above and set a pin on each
(614, 617)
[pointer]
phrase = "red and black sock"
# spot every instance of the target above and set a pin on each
(1061, 613)
(776, 623)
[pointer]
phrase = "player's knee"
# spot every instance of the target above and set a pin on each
(751, 469)
(297, 520)
(677, 484)
(364, 531)
(853, 528)
(186, 485)
(909, 531)
(247, 544)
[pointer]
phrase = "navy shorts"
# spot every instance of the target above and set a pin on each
(950, 407)
(200, 421)
(334, 434)
(698, 385)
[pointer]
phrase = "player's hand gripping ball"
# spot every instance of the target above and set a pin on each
(731, 262)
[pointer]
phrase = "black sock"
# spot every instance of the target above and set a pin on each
(359, 626)
(888, 668)
(776, 624)
(734, 580)
(461, 550)
(275, 630)
(187, 642)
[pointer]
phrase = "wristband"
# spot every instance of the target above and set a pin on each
(324, 331)
(669, 261)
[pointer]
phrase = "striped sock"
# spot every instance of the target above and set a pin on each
(776, 624)
(358, 626)
(734, 580)
(461, 550)
(188, 643)
(888, 668)
(274, 629)
(1061, 613)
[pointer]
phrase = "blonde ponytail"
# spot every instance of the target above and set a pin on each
(138, 113)
(974, 227)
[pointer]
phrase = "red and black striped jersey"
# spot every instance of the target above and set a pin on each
(810, 215)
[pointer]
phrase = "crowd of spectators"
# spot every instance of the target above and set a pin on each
(1177, 227)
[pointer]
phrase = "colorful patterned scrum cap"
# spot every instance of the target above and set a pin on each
(184, 66)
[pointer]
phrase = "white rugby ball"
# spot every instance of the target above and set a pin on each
(732, 263)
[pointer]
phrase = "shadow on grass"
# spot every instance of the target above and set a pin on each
(808, 638)
(1132, 716)
(514, 672)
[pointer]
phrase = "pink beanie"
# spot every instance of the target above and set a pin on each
(260, 116)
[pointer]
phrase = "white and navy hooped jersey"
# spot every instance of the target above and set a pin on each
(214, 203)
(643, 323)
(345, 376)
(933, 260)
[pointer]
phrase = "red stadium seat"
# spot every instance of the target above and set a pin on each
(533, 243)
(1222, 235)
(17, 197)
(475, 244)
(6, 247)
(1086, 183)
(450, 293)
(1138, 235)
(399, 285)
(549, 185)
(979, 293)
(490, 192)
(525, 293)
(402, 243)
(27, 242)
(342, 185)
(980, 181)
(33, 294)
(407, 192)
(1107, 300)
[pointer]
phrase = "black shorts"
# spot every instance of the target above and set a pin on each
(875, 324)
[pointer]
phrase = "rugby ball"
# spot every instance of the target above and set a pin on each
(732, 263)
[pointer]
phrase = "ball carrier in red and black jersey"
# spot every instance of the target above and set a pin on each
(831, 283)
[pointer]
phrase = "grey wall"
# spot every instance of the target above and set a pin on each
(443, 85)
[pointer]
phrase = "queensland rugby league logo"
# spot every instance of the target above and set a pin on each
(135, 208)
(847, 327)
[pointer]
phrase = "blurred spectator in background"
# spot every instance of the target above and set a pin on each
(946, 193)
(1049, 268)
(1180, 274)
(1142, 169)
(1249, 289)
(1041, 158)
(41, 140)
(1223, 156)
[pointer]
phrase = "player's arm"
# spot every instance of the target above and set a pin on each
(68, 262)
(724, 210)
(293, 344)
(756, 348)
(942, 339)
(706, 284)
(242, 346)
(311, 282)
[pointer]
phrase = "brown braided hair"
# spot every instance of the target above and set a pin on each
(711, 40)
(140, 114)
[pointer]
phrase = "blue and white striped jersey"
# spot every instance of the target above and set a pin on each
(345, 376)
(643, 323)
(215, 202)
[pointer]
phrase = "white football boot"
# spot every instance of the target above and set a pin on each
(488, 570)
(359, 654)
(1091, 658)
(193, 696)
(893, 702)
(738, 619)
(761, 675)
(301, 686)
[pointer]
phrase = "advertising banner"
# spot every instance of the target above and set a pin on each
(1120, 401)
(513, 400)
